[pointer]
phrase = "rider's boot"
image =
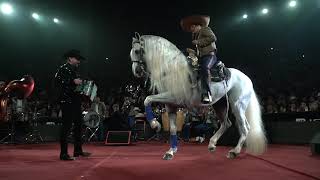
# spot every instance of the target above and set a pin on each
(206, 94)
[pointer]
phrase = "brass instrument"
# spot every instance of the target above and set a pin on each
(17, 88)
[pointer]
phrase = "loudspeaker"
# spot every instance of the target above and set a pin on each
(118, 138)
(139, 129)
(49, 133)
(315, 144)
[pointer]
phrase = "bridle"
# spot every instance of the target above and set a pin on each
(139, 52)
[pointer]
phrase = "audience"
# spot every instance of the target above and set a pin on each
(120, 108)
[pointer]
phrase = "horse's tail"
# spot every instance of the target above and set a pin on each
(256, 142)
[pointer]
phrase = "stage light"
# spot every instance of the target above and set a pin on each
(35, 16)
(265, 11)
(245, 16)
(292, 4)
(56, 20)
(6, 8)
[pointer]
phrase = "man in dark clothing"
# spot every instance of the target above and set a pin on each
(67, 79)
(117, 122)
(205, 41)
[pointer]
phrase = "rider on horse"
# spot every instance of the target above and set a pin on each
(204, 39)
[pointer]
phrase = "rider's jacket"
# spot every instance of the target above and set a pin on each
(206, 41)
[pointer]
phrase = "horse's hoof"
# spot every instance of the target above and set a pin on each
(212, 149)
(155, 125)
(167, 157)
(232, 155)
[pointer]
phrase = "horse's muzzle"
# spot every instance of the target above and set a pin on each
(137, 70)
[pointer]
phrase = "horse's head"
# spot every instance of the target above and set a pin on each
(137, 56)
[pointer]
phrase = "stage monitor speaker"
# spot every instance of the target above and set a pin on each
(49, 133)
(139, 129)
(118, 138)
(315, 144)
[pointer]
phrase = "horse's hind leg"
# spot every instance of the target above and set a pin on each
(239, 110)
(173, 134)
(220, 108)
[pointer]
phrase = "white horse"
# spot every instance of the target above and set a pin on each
(171, 76)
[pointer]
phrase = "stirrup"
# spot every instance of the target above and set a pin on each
(207, 98)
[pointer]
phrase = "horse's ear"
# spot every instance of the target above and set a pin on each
(137, 35)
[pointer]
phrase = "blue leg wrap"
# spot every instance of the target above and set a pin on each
(149, 113)
(173, 141)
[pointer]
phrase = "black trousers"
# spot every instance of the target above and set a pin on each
(206, 63)
(71, 113)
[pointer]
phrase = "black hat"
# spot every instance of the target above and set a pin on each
(75, 54)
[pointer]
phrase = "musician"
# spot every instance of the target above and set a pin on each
(67, 79)
(99, 107)
(204, 39)
(117, 121)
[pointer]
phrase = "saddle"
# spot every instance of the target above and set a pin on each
(218, 72)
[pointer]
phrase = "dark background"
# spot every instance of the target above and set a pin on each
(104, 29)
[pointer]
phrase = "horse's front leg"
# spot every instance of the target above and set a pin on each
(173, 136)
(160, 98)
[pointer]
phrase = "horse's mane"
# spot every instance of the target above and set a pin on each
(168, 67)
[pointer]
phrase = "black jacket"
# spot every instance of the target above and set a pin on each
(65, 84)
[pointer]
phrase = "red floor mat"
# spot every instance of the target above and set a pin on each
(143, 161)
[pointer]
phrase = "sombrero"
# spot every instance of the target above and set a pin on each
(75, 54)
(202, 20)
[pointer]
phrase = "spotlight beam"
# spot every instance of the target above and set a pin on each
(245, 16)
(35, 16)
(265, 11)
(6, 8)
(56, 20)
(292, 4)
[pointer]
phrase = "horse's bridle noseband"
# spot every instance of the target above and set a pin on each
(140, 52)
